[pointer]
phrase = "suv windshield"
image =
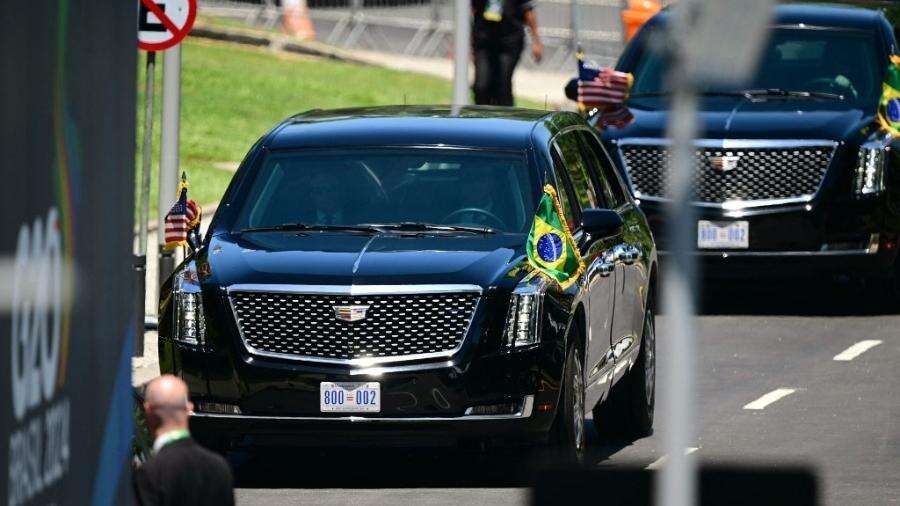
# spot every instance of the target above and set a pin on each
(413, 187)
(840, 62)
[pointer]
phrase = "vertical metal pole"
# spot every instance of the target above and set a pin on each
(679, 476)
(140, 264)
(461, 49)
(575, 13)
(168, 152)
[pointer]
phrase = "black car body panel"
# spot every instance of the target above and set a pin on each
(829, 230)
(428, 398)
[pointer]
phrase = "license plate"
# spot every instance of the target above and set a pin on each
(723, 234)
(363, 397)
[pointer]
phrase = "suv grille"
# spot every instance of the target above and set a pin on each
(395, 326)
(782, 173)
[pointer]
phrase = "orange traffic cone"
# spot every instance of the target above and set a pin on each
(637, 13)
(295, 20)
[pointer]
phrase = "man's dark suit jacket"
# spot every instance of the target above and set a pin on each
(184, 472)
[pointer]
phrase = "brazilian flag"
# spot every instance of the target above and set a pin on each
(889, 106)
(551, 249)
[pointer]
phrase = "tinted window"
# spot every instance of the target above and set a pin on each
(604, 169)
(351, 187)
(579, 173)
(564, 192)
(833, 61)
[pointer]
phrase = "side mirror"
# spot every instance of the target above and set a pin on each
(601, 222)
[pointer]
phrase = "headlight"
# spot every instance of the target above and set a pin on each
(869, 178)
(523, 318)
(190, 326)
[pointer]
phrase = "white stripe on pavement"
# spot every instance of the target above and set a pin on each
(856, 350)
(656, 464)
(769, 398)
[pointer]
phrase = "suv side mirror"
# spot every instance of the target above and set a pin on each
(601, 222)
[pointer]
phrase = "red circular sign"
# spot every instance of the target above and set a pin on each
(161, 25)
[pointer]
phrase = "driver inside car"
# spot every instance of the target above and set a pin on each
(477, 194)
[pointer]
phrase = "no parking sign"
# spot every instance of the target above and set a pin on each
(162, 24)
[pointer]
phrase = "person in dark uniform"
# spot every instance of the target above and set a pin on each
(498, 37)
(180, 471)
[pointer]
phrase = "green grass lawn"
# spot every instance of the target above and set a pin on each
(232, 94)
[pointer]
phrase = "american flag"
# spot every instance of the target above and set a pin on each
(181, 220)
(601, 87)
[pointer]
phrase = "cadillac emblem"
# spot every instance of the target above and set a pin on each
(724, 163)
(350, 313)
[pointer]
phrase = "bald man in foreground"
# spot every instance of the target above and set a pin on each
(180, 471)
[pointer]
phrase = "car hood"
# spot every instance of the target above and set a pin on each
(359, 259)
(746, 119)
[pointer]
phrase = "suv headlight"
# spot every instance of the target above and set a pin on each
(869, 178)
(190, 325)
(523, 318)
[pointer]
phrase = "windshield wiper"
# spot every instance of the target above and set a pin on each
(302, 227)
(412, 226)
(781, 93)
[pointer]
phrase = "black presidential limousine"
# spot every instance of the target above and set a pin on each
(364, 281)
(793, 173)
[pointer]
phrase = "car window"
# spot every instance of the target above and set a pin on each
(577, 169)
(359, 186)
(565, 193)
(844, 62)
(603, 167)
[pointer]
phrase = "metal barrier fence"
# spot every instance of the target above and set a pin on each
(425, 27)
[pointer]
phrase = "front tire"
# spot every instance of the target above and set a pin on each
(568, 437)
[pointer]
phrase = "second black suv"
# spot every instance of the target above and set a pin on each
(792, 171)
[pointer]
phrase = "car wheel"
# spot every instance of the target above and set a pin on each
(628, 412)
(568, 434)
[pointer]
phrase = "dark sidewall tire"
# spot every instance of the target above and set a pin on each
(567, 435)
(627, 413)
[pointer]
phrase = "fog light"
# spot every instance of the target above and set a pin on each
(219, 408)
(521, 408)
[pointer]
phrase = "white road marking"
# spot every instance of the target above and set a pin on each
(857, 350)
(656, 464)
(769, 398)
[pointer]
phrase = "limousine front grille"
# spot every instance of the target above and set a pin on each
(746, 174)
(388, 327)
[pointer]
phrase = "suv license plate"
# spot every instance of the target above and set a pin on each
(363, 397)
(723, 234)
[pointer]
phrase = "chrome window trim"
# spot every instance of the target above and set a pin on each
(730, 205)
(524, 412)
(353, 290)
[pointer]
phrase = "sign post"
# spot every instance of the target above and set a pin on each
(709, 43)
(161, 27)
(140, 261)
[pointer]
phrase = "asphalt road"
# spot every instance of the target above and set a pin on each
(762, 345)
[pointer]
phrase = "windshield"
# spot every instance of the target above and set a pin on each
(841, 62)
(353, 187)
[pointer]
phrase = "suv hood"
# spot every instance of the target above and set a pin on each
(320, 258)
(746, 119)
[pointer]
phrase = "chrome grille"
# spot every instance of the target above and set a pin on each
(395, 327)
(760, 174)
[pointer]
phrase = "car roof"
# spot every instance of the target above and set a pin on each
(475, 127)
(818, 14)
